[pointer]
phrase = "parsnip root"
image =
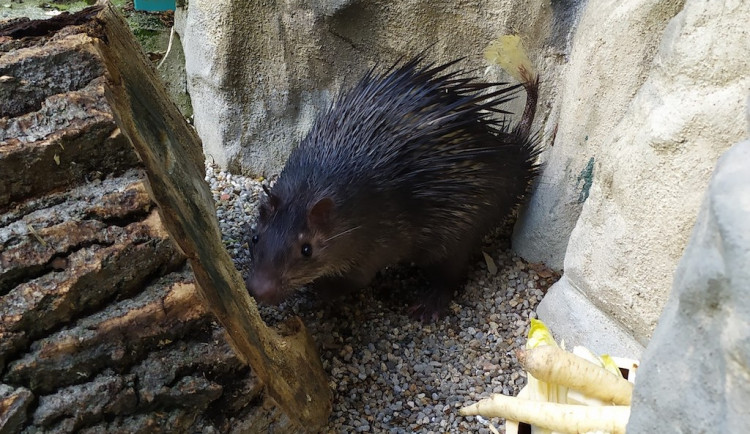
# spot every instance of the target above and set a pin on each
(557, 417)
(557, 366)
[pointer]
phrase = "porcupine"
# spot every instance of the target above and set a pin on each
(411, 165)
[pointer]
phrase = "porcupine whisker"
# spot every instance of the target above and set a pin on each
(341, 233)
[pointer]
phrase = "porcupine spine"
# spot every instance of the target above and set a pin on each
(424, 135)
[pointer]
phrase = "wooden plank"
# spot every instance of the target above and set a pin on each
(172, 154)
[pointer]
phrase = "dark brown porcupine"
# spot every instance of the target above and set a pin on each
(409, 166)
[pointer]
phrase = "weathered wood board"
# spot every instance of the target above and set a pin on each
(120, 310)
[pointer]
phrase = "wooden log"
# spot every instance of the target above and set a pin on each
(13, 406)
(102, 328)
(171, 151)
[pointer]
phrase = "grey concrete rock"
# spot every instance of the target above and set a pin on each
(260, 72)
(576, 321)
(611, 53)
(695, 374)
(653, 150)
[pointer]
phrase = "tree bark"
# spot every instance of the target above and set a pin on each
(101, 322)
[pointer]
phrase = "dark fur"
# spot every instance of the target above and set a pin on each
(412, 165)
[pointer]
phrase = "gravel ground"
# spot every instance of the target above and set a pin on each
(389, 372)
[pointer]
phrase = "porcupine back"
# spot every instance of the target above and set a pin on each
(418, 163)
(428, 140)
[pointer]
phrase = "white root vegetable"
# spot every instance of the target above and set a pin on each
(556, 417)
(554, 365)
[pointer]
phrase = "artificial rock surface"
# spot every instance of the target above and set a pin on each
(702, 342)
(655, 164)
(610, 57)
(259, 78)
(576, 321)
(638, 100)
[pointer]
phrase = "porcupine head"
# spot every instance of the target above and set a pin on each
(292, 244)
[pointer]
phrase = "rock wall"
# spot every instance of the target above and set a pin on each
(701, 342)
(258, 80)
(653, 166)
(639, 99)
(611, 55)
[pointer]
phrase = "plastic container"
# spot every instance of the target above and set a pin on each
(154, 5)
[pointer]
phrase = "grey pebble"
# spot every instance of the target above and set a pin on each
(390, 373)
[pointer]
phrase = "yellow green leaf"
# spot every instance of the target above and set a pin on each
(539, 335)
(507, 51)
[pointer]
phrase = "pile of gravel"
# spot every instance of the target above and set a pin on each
(389, 372)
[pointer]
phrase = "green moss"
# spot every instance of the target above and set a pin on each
(151, 33)
(146, 27)
(587, 178)
(40, 9)
(149, 39)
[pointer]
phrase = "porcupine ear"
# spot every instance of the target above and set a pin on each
(319, 216)
(270, 204)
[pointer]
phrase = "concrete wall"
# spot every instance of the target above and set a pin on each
(639, 99)
(653, 163)
(702, 342)
(259, 72)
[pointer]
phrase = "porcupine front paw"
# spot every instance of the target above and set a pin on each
(330, 288)
(445, 277)
(431, 305)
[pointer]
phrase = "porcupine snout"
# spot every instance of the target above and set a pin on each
(265, 288)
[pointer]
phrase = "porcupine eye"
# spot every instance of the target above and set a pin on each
(255, 239)
(306, 250)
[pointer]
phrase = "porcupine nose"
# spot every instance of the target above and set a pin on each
(265, 290)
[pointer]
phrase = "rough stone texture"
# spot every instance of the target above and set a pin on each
(13, 406)
(575, 320)
(655, 165)
(258, 80)
(611, 55)
(630, 135)
(172, 73)
(702, 342)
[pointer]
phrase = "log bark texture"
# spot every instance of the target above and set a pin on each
(104, 325)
